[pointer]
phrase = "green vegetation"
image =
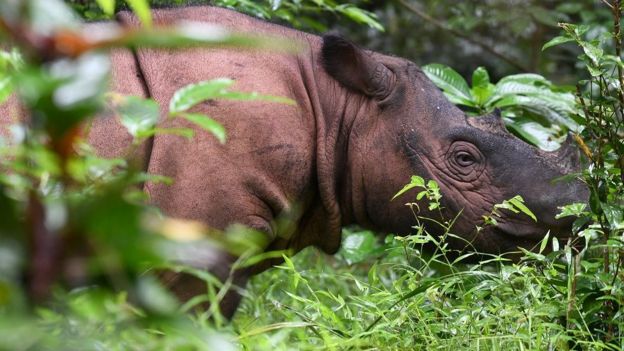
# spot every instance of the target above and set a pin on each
(80, 250)
(532, 107)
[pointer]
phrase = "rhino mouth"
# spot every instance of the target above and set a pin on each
(521, 231)
(529, 236)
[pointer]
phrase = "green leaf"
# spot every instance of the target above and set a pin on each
(557, 41)
(415, 181)
(192, 94)
(544, 243)
(576, 209)
(482, 89)
(142, 10)
(138, 115)
(404, 190)
(480, 78)
(451, 83)
(154, 297)
(358, 246)
(535, 133)
(275, 4)
(254, 96)
(614, 215)
(193, 34)
(527, 78)
(360, 16)
(518, 202)
(5, 88)
(183, 132)
(593, 51)
(207, 124)
(107, 6)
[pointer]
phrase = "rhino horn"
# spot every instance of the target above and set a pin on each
(492, 122)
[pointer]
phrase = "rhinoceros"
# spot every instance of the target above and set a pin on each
(362, 124)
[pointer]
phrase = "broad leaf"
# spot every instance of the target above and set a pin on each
(360, 16)
(536, 134)
(451, 83)
(614, 215)
(528, 78)
(358, 246)
(557, 41)
(593, 51)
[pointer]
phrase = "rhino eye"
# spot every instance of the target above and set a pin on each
(464, 159)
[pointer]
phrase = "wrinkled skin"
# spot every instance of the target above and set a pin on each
(363, 123)
(476, 161)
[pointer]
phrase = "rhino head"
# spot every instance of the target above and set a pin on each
(408, 127)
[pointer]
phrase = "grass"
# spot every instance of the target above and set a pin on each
(370, 296)
(406, 300)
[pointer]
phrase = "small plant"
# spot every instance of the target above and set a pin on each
(532, 107)
(599, 265)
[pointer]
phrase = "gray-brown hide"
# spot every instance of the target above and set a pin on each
(363, 123)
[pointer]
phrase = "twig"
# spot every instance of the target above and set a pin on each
(463, 36)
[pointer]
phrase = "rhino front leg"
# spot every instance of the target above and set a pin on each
(218, 263)
(253, 237)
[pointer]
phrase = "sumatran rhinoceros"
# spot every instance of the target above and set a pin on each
(363, 123)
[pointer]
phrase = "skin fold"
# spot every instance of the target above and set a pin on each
(362, 125)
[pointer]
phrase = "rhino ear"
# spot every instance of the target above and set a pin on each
(355, 68)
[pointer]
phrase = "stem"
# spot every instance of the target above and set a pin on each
(44, 247)
(574, 269)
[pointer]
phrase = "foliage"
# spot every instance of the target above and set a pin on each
(100, 291)
(304, 14)
(532, 107)
(505, 36)
(73, 220)
(601, 100)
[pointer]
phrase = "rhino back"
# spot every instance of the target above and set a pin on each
(265, 169)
